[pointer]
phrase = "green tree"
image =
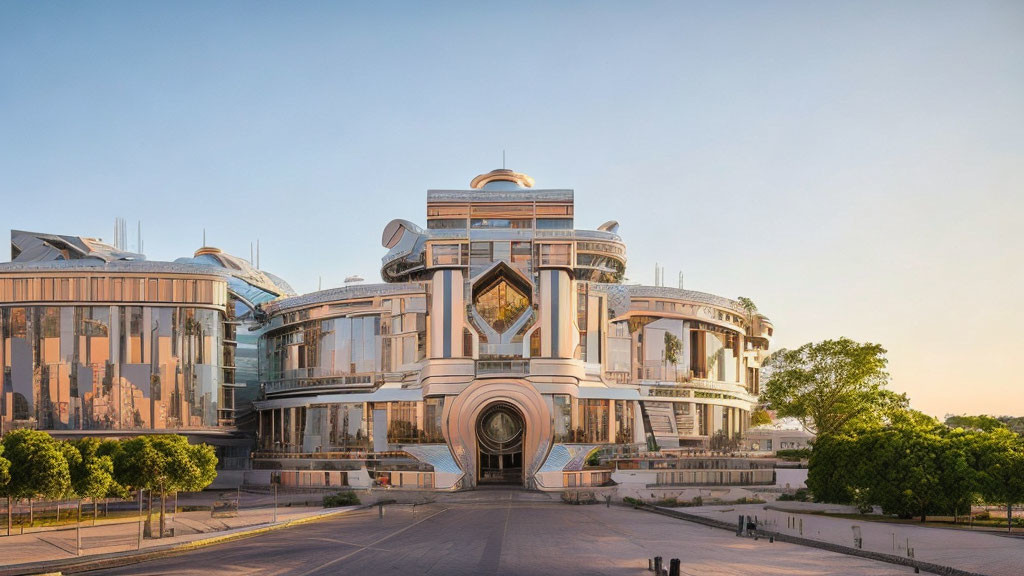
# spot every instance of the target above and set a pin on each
(92, 474)
(981, 422)
(38, 468)
(164, 464)
(5, 477)
(673, 346)
(895, 467)
(832, 469)
(830, 386)
(960, 466)
(1014, 423)
(1002, 470)
(760, 417)
(749, 306)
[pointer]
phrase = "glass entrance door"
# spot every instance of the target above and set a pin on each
(499, 432)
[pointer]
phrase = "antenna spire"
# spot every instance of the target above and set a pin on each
(502, 158)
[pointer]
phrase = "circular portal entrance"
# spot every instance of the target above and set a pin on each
(499, 433)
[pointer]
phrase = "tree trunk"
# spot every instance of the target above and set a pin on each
(163, 511)
(147, 530)
(1009, 517)
(31, 516)
(95, 510)
(10, 510)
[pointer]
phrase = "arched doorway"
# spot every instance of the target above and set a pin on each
(500, 431)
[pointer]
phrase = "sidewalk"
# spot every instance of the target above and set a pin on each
(34, 552)
(985, 553)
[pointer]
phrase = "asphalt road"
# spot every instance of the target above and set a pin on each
(501, 533)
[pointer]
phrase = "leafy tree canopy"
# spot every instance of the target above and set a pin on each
(760, 417)
(92, 474)
(981, 422)
(5, 468)
(38, 467)
(747, 304)
(673, 346)
(831, 386)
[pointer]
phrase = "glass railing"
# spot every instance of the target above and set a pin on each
(502, 366)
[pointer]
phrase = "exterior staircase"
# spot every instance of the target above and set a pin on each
(663, 424)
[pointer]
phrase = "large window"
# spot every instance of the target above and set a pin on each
(624, 418)
(446, 224)
(595, 420)
(501, 223)
(561, 410)
(554, 223)
(554, 254)
(414, 422)
(501, 304)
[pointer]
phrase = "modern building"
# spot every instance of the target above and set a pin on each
(770, 439)
(503, 347)
(99, 341)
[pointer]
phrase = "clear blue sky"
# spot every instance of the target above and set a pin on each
(855, 168)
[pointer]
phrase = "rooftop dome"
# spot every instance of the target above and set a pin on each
(501, 179)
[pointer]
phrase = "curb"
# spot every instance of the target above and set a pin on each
(879, 556)
(117, 559)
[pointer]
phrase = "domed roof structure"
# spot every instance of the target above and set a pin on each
(501, 179)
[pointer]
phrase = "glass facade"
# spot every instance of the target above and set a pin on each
(323, 348)
(344, 351)
(501, 304)
(113, 367)
(414, 422)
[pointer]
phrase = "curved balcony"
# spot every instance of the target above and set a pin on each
(731, 389)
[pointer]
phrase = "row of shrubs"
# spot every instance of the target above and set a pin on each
(673, 502)
(801, 495)
(794, 455)
(346, 498)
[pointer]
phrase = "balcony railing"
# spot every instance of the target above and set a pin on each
(503, 367)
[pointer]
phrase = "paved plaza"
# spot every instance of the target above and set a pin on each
(981, 552)
(503, 533)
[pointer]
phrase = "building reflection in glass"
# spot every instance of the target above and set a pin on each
(111, 367)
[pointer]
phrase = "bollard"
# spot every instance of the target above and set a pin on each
(380, 509)
(739, 527)
(673, 567)
(657, 565)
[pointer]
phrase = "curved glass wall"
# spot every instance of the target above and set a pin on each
(341, 351)
(322, 348)
(112, 367)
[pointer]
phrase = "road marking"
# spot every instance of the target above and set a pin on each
(371, 544)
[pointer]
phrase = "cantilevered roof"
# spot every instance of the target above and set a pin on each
(123, 266)
(380, 395)
(252, 285)
(343, 293)
(44, 247)
(681, 294)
